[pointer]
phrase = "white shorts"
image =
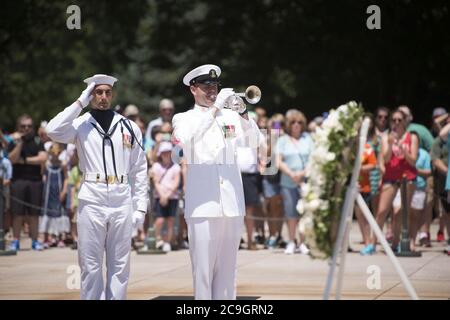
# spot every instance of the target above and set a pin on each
(417, 202)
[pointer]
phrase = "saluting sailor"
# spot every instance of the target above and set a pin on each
(113, 193)
(215, 209)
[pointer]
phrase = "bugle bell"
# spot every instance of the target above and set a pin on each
(252, 94)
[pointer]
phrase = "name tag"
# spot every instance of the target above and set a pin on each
(229, 131)
(126, 139)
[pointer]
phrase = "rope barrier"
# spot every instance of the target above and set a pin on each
(27, 204)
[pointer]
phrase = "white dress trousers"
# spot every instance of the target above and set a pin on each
(213, 247)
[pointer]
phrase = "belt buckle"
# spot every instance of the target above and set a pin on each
(97, 178)
(111, 179)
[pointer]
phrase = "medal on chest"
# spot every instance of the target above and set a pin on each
(229, 131)
(126, 139)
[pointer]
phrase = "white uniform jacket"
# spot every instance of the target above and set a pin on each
(130, 160)
(214, 183)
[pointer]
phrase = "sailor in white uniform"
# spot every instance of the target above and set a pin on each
(215, 209)
(113, 193)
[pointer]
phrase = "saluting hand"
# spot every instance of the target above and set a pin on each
(86, 96)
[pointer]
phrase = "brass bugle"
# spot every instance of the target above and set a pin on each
(252, 94)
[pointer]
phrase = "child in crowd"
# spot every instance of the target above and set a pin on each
(54, 223)
(166, 179)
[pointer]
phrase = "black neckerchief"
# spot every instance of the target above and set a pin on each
(103, 117)
(106, 135)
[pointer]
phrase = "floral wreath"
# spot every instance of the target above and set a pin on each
(329, 167)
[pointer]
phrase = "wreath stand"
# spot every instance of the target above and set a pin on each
(341, 244)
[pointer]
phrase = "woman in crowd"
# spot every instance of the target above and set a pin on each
(293, 151)
(273, 202)
(399, 151)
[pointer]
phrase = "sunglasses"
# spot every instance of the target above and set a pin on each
(26, 126)
(207, 86)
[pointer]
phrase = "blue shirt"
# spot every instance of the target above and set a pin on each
(423, 163)
(447, 182)
(5, 168)
(294, 154)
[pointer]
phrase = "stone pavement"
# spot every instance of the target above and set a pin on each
(262, 274)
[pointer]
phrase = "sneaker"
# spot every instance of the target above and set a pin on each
(259, 239)
(303, 249)
(166, 247)
(440, 236)
(14, 245)
(52, 244)
(185, 244)
(272, 242)
(159, 244)
(280, 242)
(61, 244)
(37, 246)
(396, 249)
(422, 239)
(389, 237)
(427, 243)
(448, 250)
(74, 245)
(368, 250)
(290, 248)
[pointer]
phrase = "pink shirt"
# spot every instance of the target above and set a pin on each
(168, 180)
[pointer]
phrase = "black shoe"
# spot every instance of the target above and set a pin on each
(74, 246)
(259, 239)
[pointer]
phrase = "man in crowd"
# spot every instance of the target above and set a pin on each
(27, 155)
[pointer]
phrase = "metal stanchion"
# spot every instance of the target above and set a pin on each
(3, 252)
(405, 250)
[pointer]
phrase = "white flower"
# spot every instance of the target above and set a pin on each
(344, 109)
(315, 203)
(301, 206)
(330, 156)
(306, 188)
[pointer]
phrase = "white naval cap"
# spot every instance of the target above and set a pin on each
(101, 79)
(207, 73)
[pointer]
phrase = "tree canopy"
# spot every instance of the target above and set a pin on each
(312, 55)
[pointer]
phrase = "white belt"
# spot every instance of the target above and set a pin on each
(100, 178)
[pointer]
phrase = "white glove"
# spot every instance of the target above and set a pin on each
(222, 97)
(138, 218)
(86, 96)
(238, 104)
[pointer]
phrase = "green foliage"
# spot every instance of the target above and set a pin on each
(305, 54)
